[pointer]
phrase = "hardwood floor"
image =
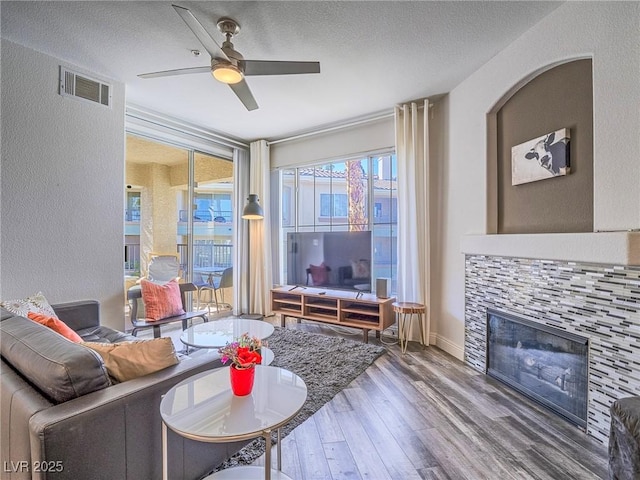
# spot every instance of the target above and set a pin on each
(425, 415)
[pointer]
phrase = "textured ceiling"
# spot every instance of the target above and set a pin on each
(373, 54)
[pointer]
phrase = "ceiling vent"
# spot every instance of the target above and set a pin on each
(74, 84)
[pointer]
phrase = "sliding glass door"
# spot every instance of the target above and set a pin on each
(178, 202)
(212, 229)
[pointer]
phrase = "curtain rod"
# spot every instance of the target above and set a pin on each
(339, 127)
(331, 129)
(420, 105)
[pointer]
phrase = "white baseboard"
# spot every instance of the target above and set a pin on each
(447, 345)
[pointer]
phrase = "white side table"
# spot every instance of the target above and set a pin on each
(204, 409)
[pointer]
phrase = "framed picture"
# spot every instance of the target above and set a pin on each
(541, 158)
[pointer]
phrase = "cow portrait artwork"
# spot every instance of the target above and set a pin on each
(541, 158)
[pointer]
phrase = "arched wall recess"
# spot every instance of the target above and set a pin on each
(557, 96)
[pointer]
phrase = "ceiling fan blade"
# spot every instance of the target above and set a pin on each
(179, 71)
(199, 31)
(241, 89)
(266, 67)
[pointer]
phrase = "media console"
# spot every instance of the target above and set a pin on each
(339, 307)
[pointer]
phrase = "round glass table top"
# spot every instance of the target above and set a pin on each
(204, 408)
(218, 333)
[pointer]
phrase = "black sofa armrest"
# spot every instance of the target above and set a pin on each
(117, 431)
(19, 402)
(79, 315)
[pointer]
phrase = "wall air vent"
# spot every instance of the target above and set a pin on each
(83, 87)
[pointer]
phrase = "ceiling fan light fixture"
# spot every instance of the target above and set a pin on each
(226, 73)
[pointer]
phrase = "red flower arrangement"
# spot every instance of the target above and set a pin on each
(243, 353)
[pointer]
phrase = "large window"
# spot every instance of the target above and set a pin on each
(350, 195)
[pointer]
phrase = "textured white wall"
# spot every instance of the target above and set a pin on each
(62, 198)
(607, 32)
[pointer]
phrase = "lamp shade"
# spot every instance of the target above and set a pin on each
(253, 210)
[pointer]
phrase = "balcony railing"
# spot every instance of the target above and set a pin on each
(222, 216)
(205, 255)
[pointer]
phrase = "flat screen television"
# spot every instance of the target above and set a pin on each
(335, 260)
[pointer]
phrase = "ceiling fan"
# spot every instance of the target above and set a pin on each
(227, 64)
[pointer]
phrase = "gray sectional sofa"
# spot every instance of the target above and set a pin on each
(63, 418)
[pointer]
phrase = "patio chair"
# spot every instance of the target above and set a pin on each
(163, 267)
(204, 283)
(217, 284)
(143, 323)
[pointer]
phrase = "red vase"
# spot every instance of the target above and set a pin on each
(241, 380)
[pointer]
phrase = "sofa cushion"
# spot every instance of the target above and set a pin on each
(129, 360)
(60, 369)
(104, 335)
(161, 301)
(36, 303)
(56, 325)
(79, 314)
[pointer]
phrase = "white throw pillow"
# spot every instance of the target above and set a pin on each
(36, 303)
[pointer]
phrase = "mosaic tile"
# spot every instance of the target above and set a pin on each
(601, 302)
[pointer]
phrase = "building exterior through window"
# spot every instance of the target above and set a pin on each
(352, 195)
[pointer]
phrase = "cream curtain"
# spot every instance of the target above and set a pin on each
(240, 232)
(260, 264)
(412, 150)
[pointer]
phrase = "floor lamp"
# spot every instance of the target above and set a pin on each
(252, 211)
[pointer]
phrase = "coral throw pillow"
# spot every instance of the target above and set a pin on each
(56, 325)
(319, 274)
(127, 360)
(161, 301)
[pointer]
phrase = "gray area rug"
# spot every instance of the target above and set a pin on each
(333, 365)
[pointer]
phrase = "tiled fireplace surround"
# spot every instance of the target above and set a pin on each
(599, 301)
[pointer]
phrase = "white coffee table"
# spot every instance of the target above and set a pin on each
(204, 409)
(218, 333)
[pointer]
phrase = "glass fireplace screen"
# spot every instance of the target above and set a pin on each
(544, 363)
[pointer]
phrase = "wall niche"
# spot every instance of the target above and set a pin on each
(561, 97)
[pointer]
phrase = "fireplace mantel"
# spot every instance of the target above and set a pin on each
(615, 248)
